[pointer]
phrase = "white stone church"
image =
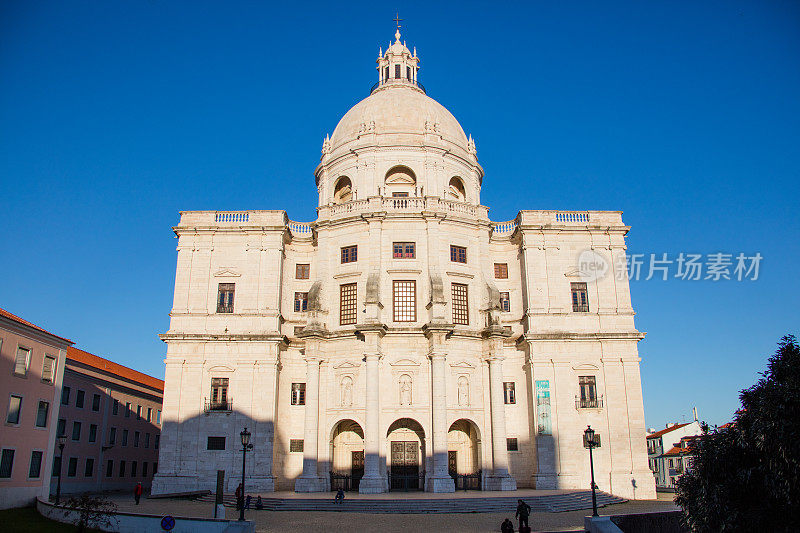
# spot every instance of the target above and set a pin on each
(402, 340)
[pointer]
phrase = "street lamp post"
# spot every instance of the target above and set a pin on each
(61, 441)
(245, 446)
(590, 443)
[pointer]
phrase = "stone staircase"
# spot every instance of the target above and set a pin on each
(551, 503)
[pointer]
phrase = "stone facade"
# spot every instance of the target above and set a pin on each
(412, 381)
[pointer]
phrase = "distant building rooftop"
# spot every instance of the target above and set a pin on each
(667, 430)
(15, 318)
(116, 369)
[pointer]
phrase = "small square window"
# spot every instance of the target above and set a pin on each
(22, 361)
(302, 271)
(61, 428)
(501, 270)
(41, 414)
(95, 402)
(296, 445)
(122, 469)
(505, 302)
(404, 301)
(138, 412)
(7, 463)
(110, 468)
(79, 399)
(404, 250)
(35, 469)
(349, 254)
(298, 393)
(76, 431)
(124, 437)
(509, 394)
(89, 468)
(92, 432)
(215, 443)
(65, 395)
(511, 445)
(127, 409)
(149, 414)
(115, 407)
(48, 369)
(460, 304)
(300, 301)
(112, 436)
(225, 294)
(580, 299)
(72, 467)
(133, 468)
(136, 439)
(458, 254)
(14, 409)
(144, 469)
(347, 304)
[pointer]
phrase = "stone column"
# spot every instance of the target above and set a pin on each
(500, 479)
(373, 481)
(310, 480)
(439, 480)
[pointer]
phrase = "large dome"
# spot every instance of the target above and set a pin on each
(398, 109)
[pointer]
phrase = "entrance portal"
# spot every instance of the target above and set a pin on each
(347, 454)
(463, 455)
(406, 453)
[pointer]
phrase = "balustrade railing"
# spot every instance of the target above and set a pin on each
(504, 228)
(232, 216)
(300, 229)
(572, 216)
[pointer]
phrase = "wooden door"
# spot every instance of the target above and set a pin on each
(452, 462)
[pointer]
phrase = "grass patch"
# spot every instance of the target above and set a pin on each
(27, 520)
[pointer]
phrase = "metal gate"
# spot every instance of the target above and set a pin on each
(404, 473)
(467, 481)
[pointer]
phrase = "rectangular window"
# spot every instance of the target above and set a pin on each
(158, 416)
(88, 470)
(92, 432)
(156, 442)
(76, 431)
(404, 250)
(225, 297)
(124, 437)
(215, 443)
(149, 414)
(61, 428)
(147, 440)
(127, 409)
(41, 414)
(138, 412)
(144, 469)
(349, 254)
(6, 463)
(399, 194)
(112, 436)
(302, 271)
(460, 304)
(135, 439)
(65, 395)
(408, 73)
(501, 270)
(580, 300)
(14, 409)
(48, 369)
(95, 402)
(219, 394)
(110, 468)
(72, 467)
(588, 390)
(133, 468)
(122, 469)
(509, 394)
(296, 445)
(397, 71)
(35, 469)
(115, 407)
(458, 254)
(298, 393)
(505, 302)
(404, 299)
(347, 304)
(511, 445)
(22, 361)
(79, 398)
(300, 301)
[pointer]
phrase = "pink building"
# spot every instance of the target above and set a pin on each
(31, 370)
(110, 416)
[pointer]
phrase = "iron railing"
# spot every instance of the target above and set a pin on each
(217, 405)
(406, 482)
(346, 482)
(589, 403)
(467, 481)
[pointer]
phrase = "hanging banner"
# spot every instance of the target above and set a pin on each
(543, 407)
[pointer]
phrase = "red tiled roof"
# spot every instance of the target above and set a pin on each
(677, 450)
(19, 320)
(667, 430)
(114, 368)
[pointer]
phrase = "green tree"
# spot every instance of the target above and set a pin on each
(746, 476)
(92, 512)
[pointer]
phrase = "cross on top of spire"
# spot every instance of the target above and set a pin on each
(397, 21)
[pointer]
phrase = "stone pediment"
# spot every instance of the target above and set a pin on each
(575, 273)
(346, 365)
(585, 366)
(220, 368)
(404, 362)
(463, 365)
(226, 272)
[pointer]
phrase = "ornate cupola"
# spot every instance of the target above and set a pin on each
(398, 65)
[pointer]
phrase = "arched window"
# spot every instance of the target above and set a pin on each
(400, 181)
(456, 189)
(343, 192)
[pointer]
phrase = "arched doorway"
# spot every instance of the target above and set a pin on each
(463, 454)
(347, 455)
(406, 440)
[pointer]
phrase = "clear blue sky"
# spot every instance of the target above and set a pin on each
(685, 115)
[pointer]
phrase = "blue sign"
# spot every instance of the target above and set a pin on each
(167, 523)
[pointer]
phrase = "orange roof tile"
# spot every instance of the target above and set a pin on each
(114, 368)
(667, 430)
(676, 450)
(15, 318)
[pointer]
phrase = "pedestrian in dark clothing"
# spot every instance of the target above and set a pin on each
(507, 526)
(339, 497)
(259, 503)
(523, 510)
(137, 492)
(239, 500)
(247, 502)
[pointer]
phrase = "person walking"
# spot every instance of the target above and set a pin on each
(523, 510)
(247, 503)
(239, 500)
(137, 492)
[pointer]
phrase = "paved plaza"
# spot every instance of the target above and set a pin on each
(401, 523)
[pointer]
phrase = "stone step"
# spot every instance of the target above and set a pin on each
(569, 501)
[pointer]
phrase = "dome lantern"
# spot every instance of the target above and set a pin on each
(398, 65)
